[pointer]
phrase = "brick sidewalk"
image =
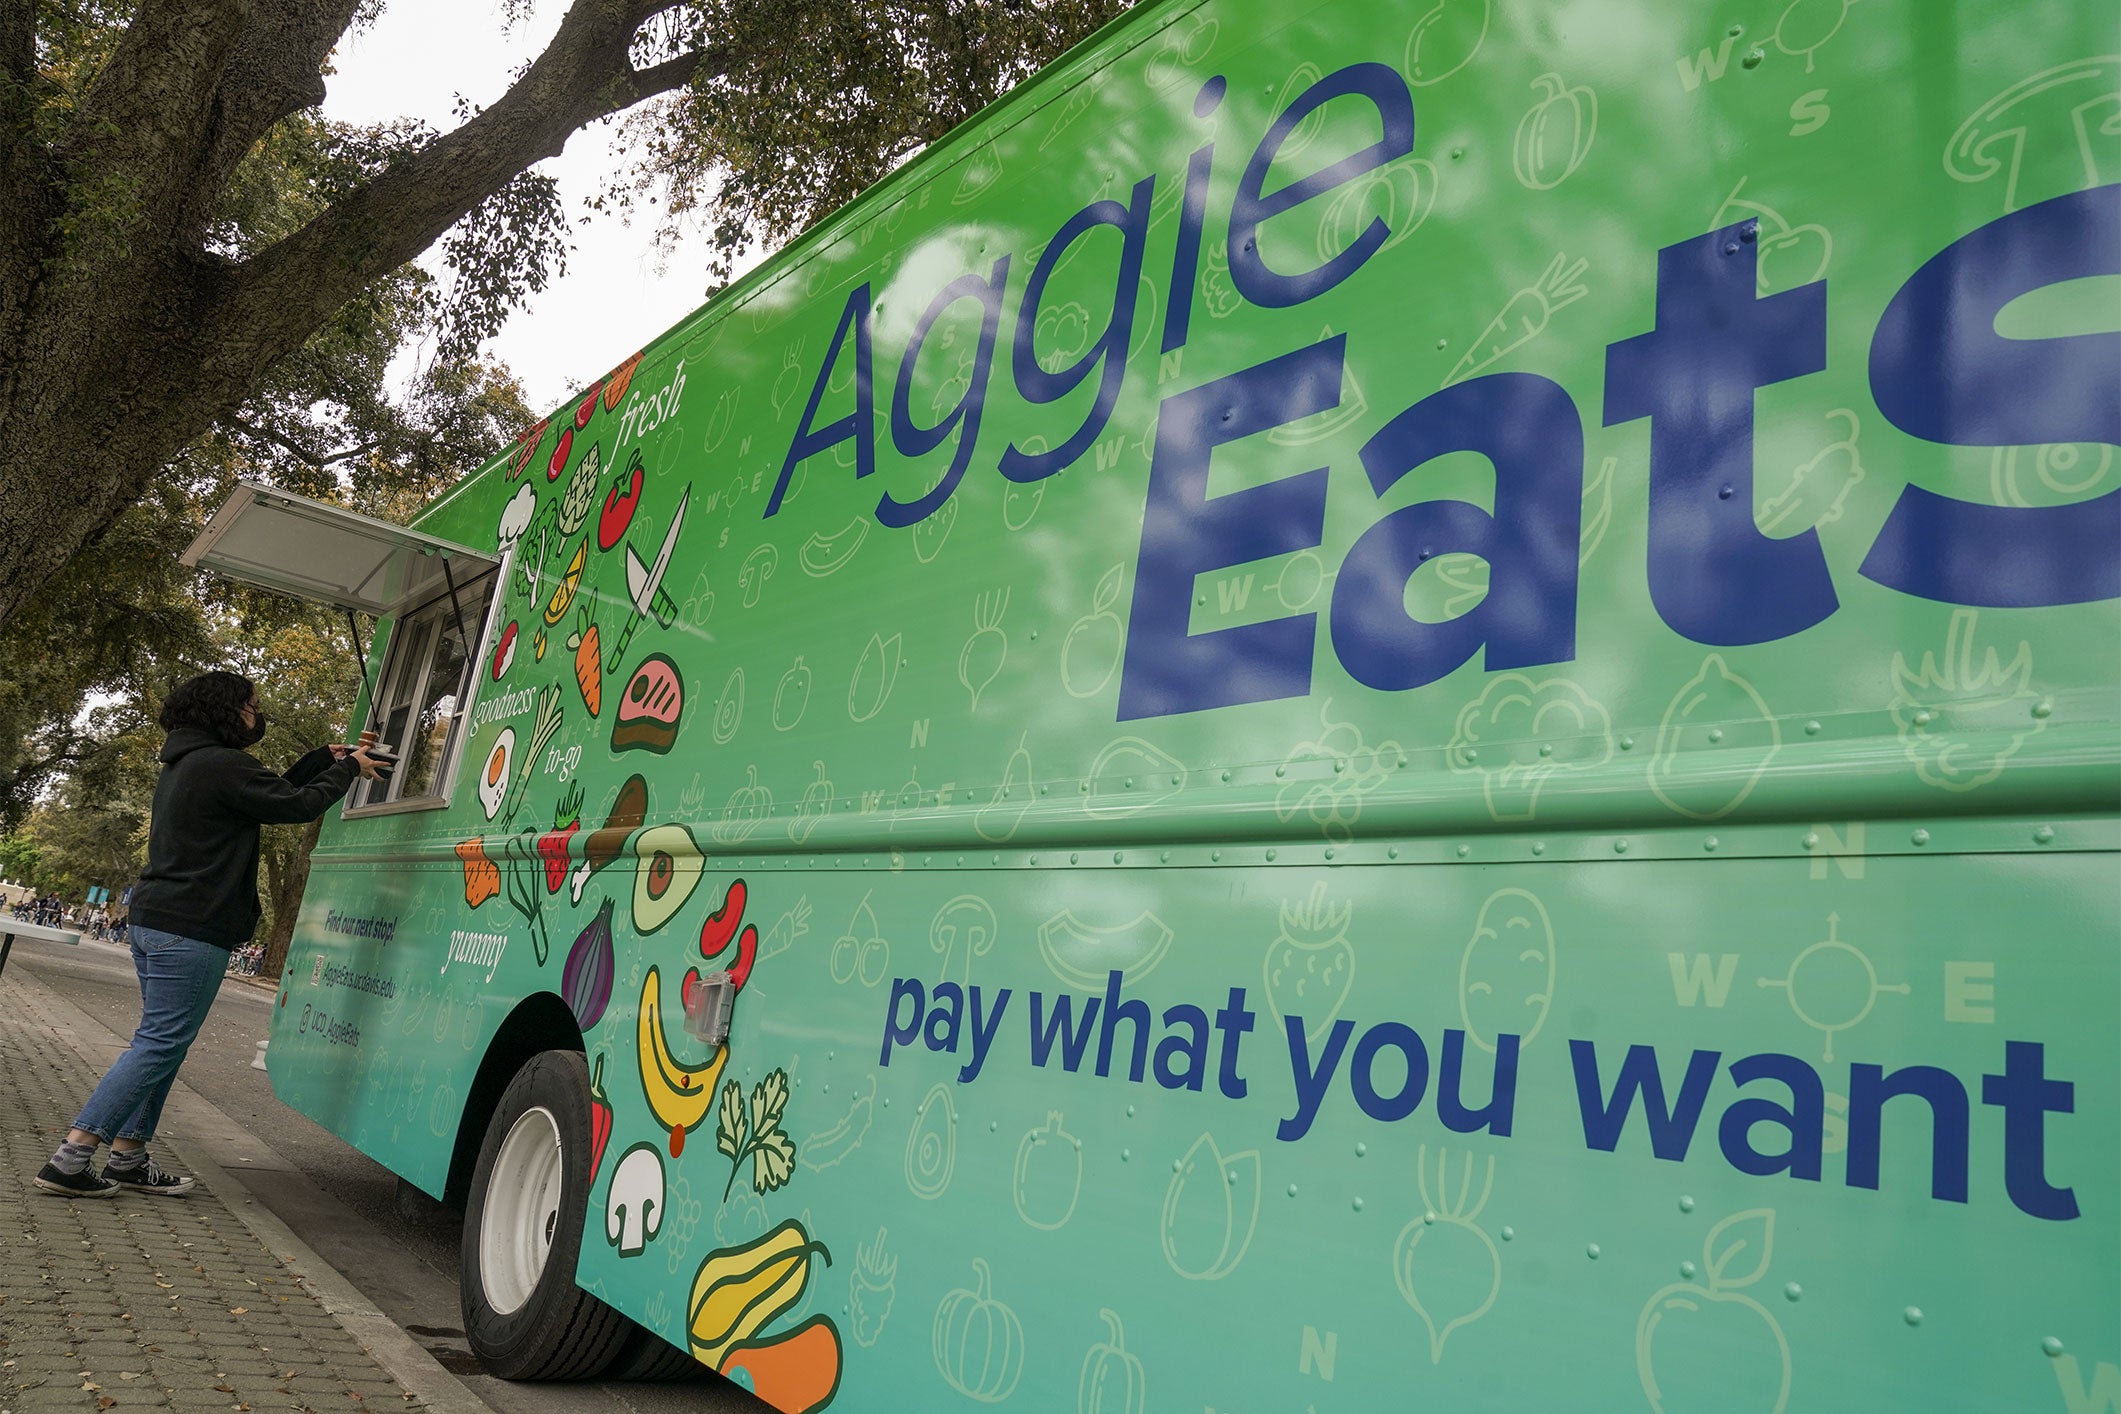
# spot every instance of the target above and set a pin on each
(139, 1301)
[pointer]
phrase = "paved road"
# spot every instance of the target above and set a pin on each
(343, 1203)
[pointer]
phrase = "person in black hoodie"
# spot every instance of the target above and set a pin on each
(195, 902)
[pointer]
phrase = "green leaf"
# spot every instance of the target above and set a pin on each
(729, 1127)
(772, 1162)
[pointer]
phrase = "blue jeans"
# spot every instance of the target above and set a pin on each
(178, 979)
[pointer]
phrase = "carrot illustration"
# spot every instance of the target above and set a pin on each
(588, 673)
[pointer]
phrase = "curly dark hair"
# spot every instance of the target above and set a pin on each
(212, 702)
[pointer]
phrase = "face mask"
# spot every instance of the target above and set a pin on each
(255, 732)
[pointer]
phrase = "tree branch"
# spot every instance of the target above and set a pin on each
(276, 70)
(319, 460)
(583, 75)
(143, 114)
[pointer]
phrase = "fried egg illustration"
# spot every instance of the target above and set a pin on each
(493, 777)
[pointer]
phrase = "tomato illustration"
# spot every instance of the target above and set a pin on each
(618, 508)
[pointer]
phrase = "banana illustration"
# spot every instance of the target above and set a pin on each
(738, 1291)
(822, 1150)
(679, 1095)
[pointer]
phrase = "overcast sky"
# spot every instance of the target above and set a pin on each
(614, 299)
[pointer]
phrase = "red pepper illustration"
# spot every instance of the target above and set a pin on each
(552, 848)
(599, 1118)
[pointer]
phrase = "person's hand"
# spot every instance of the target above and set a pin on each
(369, 765)
(338, 750)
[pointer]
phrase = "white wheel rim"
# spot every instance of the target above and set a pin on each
(522, 1211)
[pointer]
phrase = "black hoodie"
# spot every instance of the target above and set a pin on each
(201, 879)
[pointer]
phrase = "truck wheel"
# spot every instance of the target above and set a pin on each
(523, 1315)
(646, 1356)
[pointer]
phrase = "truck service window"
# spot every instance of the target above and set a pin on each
(425, 693)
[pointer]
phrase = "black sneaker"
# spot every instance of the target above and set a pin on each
(146, 1177)
(74, 1185)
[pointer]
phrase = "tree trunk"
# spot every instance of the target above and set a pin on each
(287, 876)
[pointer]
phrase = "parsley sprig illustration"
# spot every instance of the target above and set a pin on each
(756, 1134)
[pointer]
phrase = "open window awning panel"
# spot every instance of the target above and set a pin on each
(323, 553)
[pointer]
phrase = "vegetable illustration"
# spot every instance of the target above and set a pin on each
(635, 1202)
(749, 807)
(827, 1147)
(1310, 967)
(756, 1133)
(1960, 718)
(794, 1373)
(553, 846)
(1090, 653)
(1525, 317)
(758, 567)
(1049, 1175)
(585, 985)
(619, 506)
(482, 878)
(980, 662)
(1506, 974)
(1819, 490)
(1500, 734)
(679, 1095)
(979, 1343)
(558, 462)
(504, 652)
(1815, 22)
(861, 950)
(792, 697)
(1210, 1211)
(580, 497)
(525, 893)
(1112, 1381)
(1555, 134)
(872, 1289)
(1132, 759)
(541, 734)
(739, 1290)
(729, 708)
(1800, 253)
(815, 805)
(570, 584)
(617, 382)
(526, 446)
(1458, 1261)
(588, 667)
(1445, 39)
(998, 821)
(599, 1117)
(874, 674)
(1714, 744)
(1696, 1343)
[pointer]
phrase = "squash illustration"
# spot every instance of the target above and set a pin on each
(1112, 1380)
(979, 1343)
(1554, 135)
(1049, 1175)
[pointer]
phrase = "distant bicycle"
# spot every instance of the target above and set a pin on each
(247, 961)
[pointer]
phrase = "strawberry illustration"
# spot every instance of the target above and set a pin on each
(1311, 965)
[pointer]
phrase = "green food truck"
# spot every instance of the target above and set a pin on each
(1362, 705)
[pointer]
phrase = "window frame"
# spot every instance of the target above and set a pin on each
(452, 752)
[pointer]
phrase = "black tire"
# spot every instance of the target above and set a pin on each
(646, 1356)
(559, 1331)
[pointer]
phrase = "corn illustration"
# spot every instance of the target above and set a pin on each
(738, 1291)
